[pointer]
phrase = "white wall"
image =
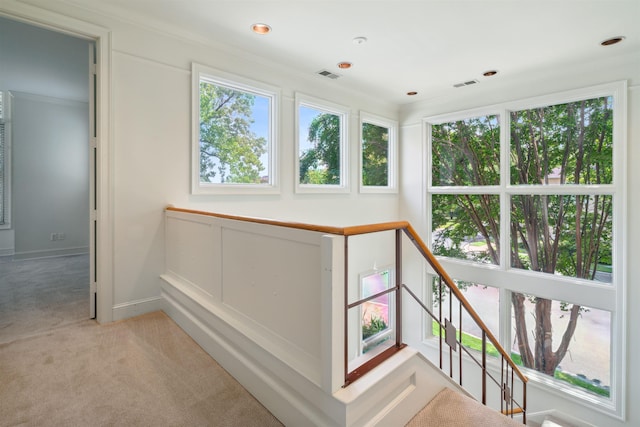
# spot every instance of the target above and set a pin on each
(150, 124)
(151, 103)
(36, 60)
(48, 75)
(151, 136)
(413, 160)
(50, 185)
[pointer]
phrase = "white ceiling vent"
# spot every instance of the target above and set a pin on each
(328, 74)
(470, 82)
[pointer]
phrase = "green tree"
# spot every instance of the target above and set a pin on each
(229, 150)
(466, 153)
(375, 155)
(559, 233)
(556, 234)
(320, 164)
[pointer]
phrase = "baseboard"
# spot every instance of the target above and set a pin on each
(137, 307)
(389, 395)
(6, 252)
(49, 253)
(292, 399)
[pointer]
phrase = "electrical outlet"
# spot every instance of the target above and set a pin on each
(61, 236)
(53, 237)
(57, 236)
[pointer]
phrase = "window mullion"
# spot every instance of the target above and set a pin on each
(505, 220)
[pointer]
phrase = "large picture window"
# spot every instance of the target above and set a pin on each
(321, 146)
(235, 134)
(528, 197)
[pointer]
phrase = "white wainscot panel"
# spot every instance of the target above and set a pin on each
(275, 281)
(194, 252)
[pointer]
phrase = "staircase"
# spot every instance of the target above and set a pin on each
(453, 409)
(276, 304)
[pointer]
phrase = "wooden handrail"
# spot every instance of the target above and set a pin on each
(341, 231)
(373, 228)
(435, 264)
(296, 225)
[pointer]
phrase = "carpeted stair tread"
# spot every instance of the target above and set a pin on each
(453, 409)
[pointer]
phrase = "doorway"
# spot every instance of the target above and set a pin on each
(51, 269)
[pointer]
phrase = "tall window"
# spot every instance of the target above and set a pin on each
(321, 139)
(5, 135)
(528, 199)
(235, 134)
(378, 155)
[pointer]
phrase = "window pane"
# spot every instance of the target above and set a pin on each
(371, 323)
(235, 129)
(580, 357)
(320, 145)
(563, 144)
(466, 152)
(376, 321)
(375, 155)
(466, 227)
(483, 299)
(568, 235)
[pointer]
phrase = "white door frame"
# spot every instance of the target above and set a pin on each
(102, 253)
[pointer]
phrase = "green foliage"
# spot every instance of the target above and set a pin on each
(474, 343)
(556, 234)
(459, 221)
(578, 382)
(229, 151)
(375, 155)
(466, 152)
(374, 326)
(320, 164)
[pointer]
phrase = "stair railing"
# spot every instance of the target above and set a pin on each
(449, 335)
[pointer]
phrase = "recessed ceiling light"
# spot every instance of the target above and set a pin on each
(411, 93)
(344, 65)
(490, 73)
(359, 40)
(612, 40)
(261, 28)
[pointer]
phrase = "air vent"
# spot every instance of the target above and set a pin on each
(469, 83)
(328, 74)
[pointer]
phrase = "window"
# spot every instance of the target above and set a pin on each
(234, 147)
(528, 198)
(321, 140)
(5, 157)
(376, 314)
(378, 155)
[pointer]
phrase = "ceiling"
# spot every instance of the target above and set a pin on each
(423, 46)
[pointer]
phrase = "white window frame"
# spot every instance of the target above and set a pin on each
(390, 331)
(392, 159)
(608, 297)
(5, 118)
(217, 77)
(330, 108)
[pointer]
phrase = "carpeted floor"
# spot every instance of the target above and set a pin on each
(37, 295)
(143, 371)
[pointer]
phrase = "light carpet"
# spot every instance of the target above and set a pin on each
(57, 368)
(452, 409)
(37, 295)
(143, 371)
